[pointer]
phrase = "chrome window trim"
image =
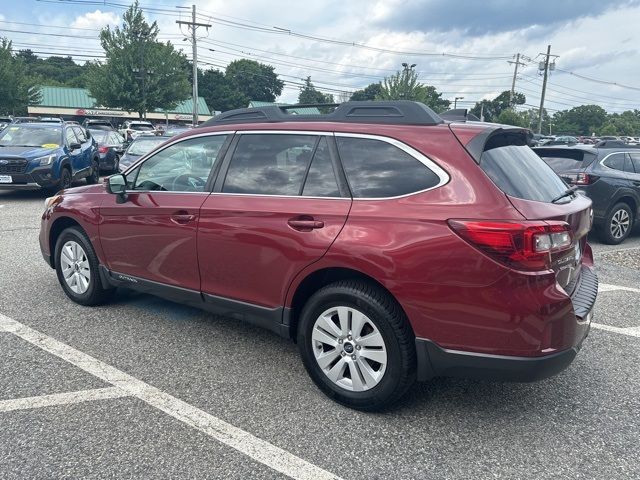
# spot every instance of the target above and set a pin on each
(426, 161)
(443, 176)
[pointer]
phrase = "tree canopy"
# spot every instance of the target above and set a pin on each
(490, 110)
(404, 85)
(140, 74)
(254, 80)
(17, 89)
(309, 94)
(370, 92)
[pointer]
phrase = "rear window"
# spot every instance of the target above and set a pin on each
(520, 173)
(563, 160)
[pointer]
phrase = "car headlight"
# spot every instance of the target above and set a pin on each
(49, 202)
(46, 160)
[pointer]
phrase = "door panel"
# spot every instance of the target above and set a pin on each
(249, 250)
(153, 236)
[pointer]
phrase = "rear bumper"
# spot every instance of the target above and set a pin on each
(434, 361)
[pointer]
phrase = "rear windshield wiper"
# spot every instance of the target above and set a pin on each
(567, 192)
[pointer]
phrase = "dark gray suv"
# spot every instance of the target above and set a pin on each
(609, 175)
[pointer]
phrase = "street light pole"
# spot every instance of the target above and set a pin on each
(455, 102)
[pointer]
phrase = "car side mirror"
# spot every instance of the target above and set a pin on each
(117, 185)
(75, 146)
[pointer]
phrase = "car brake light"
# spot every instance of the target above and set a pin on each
(580, 178)
(525, 245)
(103, 149)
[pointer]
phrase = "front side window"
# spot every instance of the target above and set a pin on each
(181, 167)
(82, 138)
(270, 164)
(378, 169)
(70, 136)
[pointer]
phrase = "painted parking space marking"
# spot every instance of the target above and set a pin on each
(606, 287)
(66, 398)
(629, 331)
(259, 450)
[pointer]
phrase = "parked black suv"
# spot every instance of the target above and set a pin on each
(609, 175)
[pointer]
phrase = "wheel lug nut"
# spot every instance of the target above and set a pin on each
(342, 353)
(349, 337)
(353, 357)
(340, 340)
(358, 347)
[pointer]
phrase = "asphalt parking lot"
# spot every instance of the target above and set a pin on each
(144, 388)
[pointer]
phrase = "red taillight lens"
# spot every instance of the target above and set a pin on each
(521, 245)
(579, 178)
(103, 149)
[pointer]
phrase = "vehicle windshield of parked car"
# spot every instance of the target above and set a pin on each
(141, 127)
(519, 172)
(99, 135)
(22, 136)
(143, 145)
(563, 160)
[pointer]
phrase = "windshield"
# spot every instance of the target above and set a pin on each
(99, 135)
(140, 127)
(142, 146)
(31, 137)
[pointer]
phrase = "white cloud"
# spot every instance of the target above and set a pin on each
(97, 19)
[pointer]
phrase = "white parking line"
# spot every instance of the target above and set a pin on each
(629, 331)
(605, 287)
(252, 446)
(65, 398)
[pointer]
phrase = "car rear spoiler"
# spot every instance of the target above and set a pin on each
(492, 137)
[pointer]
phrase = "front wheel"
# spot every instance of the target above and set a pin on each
(617, 224)
(77, 268)
(357, 345)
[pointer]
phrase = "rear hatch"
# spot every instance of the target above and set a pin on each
(540, 195)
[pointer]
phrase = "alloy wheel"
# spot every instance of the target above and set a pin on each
(75, 267)
(349, 348)
(620, 222)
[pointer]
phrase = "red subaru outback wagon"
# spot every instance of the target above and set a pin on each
(390, 244)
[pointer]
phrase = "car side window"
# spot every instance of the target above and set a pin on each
(182, 167)
(70, 136)
(635, 161)
(270, 164)
(615, 161)
(628, 166)
(321, 179)
(378, 169)
(82, 138)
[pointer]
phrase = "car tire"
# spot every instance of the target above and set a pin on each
(95, 173)
(65, 179)
(369, 369)
(77, 268)
(617, 224)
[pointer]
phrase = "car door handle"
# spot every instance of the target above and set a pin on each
(305, 223)
(182, 218)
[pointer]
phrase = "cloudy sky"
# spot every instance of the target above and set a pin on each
(461, 47)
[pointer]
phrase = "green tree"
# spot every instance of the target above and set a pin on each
(309, 94)
(511, 117)
(17, 89)
(254, 80)
(370, 92)
(218, 93)
(491, 109)
(140, 73)
(404, 85)
(608, 129)
(581, 120)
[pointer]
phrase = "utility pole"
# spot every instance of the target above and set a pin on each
(193, 26)
(544, 85)
(515, 74)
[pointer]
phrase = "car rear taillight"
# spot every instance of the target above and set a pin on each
(103, 149)
(525, 245)
(579, 178)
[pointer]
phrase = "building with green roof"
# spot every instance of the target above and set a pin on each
(77, 104)
(296, 111)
